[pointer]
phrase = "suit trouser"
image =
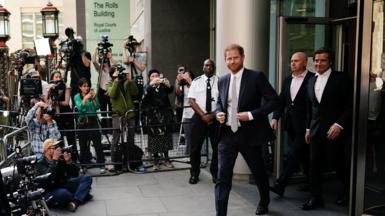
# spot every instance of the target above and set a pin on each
(298, 154)
(332, 152)
(229, 146)
(199, 131)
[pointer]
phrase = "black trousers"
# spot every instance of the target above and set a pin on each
(95, 137)
(229, 146)
(199, 132)
(327, 152)
(299, 153)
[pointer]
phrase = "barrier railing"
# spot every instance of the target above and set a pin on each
(5, 157)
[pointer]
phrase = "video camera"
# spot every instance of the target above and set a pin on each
(131, 44)
(57, 92)
(70, 46)
(30, 87)
(104, 47)
(22, 57)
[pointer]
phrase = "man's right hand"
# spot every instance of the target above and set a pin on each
(274, 124)
(221, 117)
(307, 137)
(208, 118)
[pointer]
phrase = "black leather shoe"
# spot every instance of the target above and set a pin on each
(313, 203)
(277, 189)
(342, 200)
(193, 180)
(262, 209)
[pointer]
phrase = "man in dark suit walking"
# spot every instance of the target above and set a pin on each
(293, 102)
(244, 126)
(329, 115)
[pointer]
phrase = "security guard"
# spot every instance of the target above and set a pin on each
(203, 96)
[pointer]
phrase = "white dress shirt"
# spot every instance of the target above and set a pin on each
(198, 91)
(320, 84)
(238, 77)
(296, 83)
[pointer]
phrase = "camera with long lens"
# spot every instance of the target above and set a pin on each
(104, 47)
(57, 91)
(70, 46)
(23, 186)
(132, 44)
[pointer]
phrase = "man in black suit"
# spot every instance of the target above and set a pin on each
(329, 116)
(293, 102)
(244, 126)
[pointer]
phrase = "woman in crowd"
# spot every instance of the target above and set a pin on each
(59, 96)
(87, 101)
(158, 117)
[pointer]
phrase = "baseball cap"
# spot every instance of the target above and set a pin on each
(48, 143)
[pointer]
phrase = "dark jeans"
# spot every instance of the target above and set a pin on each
(126, 136)
(95, 137)
(75, 189)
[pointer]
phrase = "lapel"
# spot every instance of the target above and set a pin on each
(303, 84)
(311, 89)
(328, 87)
(243, 84)
(226, 92)
(287, 88)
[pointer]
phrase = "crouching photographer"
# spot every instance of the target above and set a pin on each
(65, 185)
(121, 91)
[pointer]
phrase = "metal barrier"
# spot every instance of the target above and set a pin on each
(5, 157)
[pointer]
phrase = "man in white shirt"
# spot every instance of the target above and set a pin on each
(294, 100)
(203, 95)
(329, 120)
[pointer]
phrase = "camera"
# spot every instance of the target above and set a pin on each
(70, 46)
(103, 48)
(57, 91)
(131, 44)
(22, 57)
(122, 73)
(48, 111)
(30, 87)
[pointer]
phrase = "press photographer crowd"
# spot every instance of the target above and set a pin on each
(67, 119)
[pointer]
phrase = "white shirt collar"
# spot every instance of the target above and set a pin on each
(325, 74)
(239, 73)
(303, 74)
(206, 77)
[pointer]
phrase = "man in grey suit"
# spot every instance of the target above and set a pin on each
(244, 126)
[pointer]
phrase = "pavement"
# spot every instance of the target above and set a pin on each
(169, 194)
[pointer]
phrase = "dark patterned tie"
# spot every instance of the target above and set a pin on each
(208, 96)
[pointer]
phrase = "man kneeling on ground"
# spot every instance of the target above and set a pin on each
(65, 186)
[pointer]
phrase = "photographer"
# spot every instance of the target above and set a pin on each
(65, 186)
(159, 117)
(59, 97)
(102, 60)
(86, 101)
(135, 66)
(182, 87)
(121, 90)
(41, 126)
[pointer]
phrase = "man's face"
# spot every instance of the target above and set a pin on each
(321, 62)
(47, 117)
(234, 60)
(298, 63)
(50, 151)
(208, 68)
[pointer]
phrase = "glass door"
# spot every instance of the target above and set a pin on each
(308, 34)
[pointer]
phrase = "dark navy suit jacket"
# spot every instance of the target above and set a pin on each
(257, 96)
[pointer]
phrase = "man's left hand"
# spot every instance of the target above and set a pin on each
(243, 116)
(333, 132)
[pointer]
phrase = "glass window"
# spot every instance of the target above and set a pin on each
(375, 160)
(303, 8)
